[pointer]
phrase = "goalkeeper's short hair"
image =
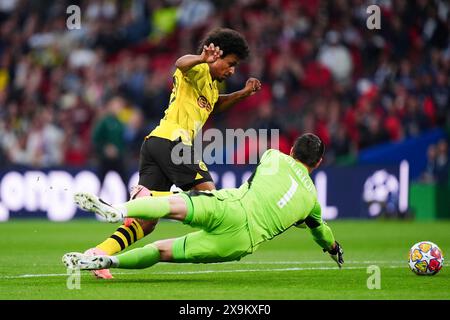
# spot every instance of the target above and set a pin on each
(309, 149)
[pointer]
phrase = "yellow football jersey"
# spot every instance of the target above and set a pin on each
(193, 97)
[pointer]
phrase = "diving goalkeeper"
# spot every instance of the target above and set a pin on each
(234, 222)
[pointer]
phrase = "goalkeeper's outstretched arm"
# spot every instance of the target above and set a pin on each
(323, 235)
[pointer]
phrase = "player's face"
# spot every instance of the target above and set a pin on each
(224, 67)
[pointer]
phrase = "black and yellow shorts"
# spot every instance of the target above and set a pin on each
(160, 166)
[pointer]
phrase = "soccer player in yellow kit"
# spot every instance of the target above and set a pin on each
(195, 95)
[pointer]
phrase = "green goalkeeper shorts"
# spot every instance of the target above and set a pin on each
(224, 236)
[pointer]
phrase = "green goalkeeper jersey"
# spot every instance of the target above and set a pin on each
(278, 195)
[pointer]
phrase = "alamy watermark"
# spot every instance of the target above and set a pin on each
(235, 146)
(374, 280)
(74, 279)
(74, 19)
(374, 20)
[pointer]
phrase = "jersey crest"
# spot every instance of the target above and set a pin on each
(204, 103)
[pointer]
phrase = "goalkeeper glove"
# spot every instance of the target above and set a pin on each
(337, 254)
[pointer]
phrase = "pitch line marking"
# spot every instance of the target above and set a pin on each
(201, 271)
(266, 270)
(320, 262)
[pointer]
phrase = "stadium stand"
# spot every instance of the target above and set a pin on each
(322, 70)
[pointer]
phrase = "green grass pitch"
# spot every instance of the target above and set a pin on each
(290, 267)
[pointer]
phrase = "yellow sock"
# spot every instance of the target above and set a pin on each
(126, 236)
(122, 238)
(161, 193)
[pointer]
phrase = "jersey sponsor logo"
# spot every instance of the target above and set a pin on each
(203, 103)
(289, 194)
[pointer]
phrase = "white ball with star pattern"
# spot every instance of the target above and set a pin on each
(425, 258)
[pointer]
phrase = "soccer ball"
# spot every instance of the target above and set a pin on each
(425, 258)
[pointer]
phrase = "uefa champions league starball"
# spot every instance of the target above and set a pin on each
(425, 258)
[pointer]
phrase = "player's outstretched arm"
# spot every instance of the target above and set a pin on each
(323, 235)
(210, 54)
(226, 101)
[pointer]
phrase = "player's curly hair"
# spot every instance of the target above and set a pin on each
(309, 149)
(230, 41)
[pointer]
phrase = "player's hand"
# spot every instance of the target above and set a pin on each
(211, 53)
(252, 86)
(337, 254)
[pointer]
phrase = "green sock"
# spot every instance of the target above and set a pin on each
(139, 258)
(148, 207)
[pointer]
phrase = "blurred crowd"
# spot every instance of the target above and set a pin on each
(322, 71)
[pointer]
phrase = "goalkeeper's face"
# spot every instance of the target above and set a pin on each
(224, 67)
